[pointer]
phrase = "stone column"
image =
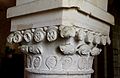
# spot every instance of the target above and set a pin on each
(59, 37)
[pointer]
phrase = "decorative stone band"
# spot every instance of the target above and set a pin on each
(52, 32)
(61, 73)
(59, 49)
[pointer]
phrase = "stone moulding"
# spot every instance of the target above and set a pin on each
(81, 5)
(51, 33)
(59, 49)
(60, 72)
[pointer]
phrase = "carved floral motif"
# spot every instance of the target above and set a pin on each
(39, 35)
(10, 38)
(79, 47)
(17, 37)
(51, 62)
(84, 49)
(89, 37)
(103, 40)
(67, 49)
(67, 31)
(67, 62)
(36, 49)
(28, 35)
(52, 34)
(97, 38)
(36, 61)
(95, 51)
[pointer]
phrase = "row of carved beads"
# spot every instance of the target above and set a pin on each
(51, 33)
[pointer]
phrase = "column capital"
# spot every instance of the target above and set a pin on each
(59, 49)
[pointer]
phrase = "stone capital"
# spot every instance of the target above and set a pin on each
(59, 50)
(59, 37)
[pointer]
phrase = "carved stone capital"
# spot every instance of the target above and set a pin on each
(59, 50)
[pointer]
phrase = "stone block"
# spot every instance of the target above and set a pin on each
(100, 3)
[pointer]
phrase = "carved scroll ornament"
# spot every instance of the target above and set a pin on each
(76, 48)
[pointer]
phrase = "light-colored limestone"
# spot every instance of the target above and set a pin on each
(45, 5)
(60, 52)
(22, 2)
(100, 3)
(59, 37)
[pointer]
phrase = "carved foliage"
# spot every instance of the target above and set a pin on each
(103, 40)
(36, 61)
(84, 49)
(51, 62)
(28, 36)
(81, 34)
(10, 38)
(85, 63)
(52, 34)
(39, 35)
(35, 49)
(17, 37)
(95, 51)
(67, 49)
(89, 37)
(67, 31)
(67, 62)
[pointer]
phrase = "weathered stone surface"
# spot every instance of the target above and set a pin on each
(59, 37)
(81, 5)
(60, 52)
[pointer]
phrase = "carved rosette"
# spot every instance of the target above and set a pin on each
(59, 49)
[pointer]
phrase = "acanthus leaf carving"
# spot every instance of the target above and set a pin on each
(67, 49)
(65, 31)
(35, 49)
(81, 34)
(95, 51)
(84, 49)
